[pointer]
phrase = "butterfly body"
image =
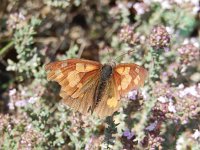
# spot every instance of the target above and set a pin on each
(105, 75)
(88, 86)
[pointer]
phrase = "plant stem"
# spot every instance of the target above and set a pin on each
(6, 49)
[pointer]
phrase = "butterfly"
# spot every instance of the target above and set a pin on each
(91, 87)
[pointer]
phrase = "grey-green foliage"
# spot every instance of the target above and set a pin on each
(177, 18)
(58, 3)
(61, 3)
(183, 20)
(27, 54)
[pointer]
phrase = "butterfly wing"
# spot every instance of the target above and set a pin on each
(110, 100)
(128, 77)
(77, 78)
(124, 78)
(60, 69)
(82, 99)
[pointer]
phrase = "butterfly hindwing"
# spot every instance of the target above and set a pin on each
(110, 100)
(125, 77)
(128, 77)
(82, 99)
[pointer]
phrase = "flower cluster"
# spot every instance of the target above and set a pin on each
(127, 35)
(21, 98)
(188, 54)
(16, 21)
(180, 103)
(155, 142)
(188, 140)
(141, 8)
(159, 38)
(4, 122)
(30, 138)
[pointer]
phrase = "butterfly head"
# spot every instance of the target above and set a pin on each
(111, 63)
(106, 71)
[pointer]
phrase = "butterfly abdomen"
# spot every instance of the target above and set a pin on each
(105, 75)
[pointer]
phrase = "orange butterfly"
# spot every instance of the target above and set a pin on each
(88, 86)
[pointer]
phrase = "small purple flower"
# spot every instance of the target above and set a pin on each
(128, 134)
(152, 126)
(166, 49)
(172, 107)
(11, 105)
(89, 144)
(196, 134)
(21, 103)
(32, 100)
(141, 8)
(189, 91)
(132, 95)
(12, 92)
(162, 99)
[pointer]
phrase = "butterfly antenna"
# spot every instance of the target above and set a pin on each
(129, 52)
(80, 52)
(109, 54)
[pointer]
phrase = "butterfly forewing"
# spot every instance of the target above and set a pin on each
(70, 71)
(128, 77)
(77, 78)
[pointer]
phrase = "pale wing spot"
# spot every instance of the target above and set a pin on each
(136, 81)
(75, 95)
(126, 81)
(80, 67)
(80, 85)
(112, 102)
(72, 74)
(90, 68)
(123, 70)
(126, 70)
(63, 94)
(74, 82)
(73, 78)
(57, 72)
(119, 88)
(138, 77)
(137, 70)
(59, 76)
(64, 64)
(50, 75)
(68, 90)
(80, 96)
(53, 75)
(120, 70)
